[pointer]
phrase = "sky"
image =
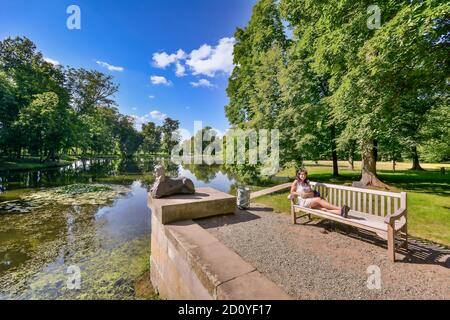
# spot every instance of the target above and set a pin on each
(171, 58)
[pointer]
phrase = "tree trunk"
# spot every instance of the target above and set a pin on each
(351, 163)
(369, 176)
(334, 151)
(416, 162)
(351, 155)
(375, 150)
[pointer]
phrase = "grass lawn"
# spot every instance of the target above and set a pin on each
(428, 194)
(31, 164)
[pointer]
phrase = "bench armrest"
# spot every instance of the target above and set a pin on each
(391, 218)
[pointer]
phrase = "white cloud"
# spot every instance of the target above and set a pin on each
(206, 60)
(209, 60)
(202, 83)
(181, 70)
(163, 59)
(51, 61)
(139, 121)
(151, 97)
(158, 115)
(157, 80)
(134, 108)
(109, 66)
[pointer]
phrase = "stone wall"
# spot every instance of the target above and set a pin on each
(188, 263)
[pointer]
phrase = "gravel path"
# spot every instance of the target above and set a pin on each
(324, 260)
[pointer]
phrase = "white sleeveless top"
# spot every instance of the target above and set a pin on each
(303, 187)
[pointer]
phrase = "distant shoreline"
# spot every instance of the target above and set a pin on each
(30, 164)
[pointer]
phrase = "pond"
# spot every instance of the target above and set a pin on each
(82, 231)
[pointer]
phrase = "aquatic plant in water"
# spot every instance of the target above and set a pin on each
(83, 188)
(73, 195)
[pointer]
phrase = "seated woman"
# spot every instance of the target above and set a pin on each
(306, 197)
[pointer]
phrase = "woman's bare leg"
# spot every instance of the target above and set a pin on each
(325, 206)
(338, 212)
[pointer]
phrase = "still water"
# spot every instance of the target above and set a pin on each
(82, 246)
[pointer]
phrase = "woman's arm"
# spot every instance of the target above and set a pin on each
(294, 189)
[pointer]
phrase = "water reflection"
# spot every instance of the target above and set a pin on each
(209, 176)
(110, 243)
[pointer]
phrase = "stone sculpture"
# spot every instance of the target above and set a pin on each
(166, 186)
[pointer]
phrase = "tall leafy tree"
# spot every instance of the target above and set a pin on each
(8, 110)
(253, 88)
(152, 137)
(46, 124)
(24, 66)
(169, 127)
(129, 138)
(265, 30)
(92, 98)
(395, 78)
(90, 89)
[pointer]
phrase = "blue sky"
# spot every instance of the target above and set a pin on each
(139, 42)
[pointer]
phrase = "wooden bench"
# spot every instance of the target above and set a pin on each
(381, 212)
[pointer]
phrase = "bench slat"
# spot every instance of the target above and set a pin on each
(378, 192)
(364, 202)
(389, 208)
(349, 200)
(355, 218)
(376, 205)
(383, 213)
(331, 197)
(359, 202)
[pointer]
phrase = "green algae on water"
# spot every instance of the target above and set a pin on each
(72, 195)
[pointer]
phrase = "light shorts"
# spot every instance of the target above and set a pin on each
(306, 203)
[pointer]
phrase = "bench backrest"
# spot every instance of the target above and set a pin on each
(379, 203)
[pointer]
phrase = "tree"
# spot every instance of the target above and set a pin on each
(90, 89)
(396, 77)
(253, 88)
(91, 95)
(152, 137)
(168, 128)
(46, 110)
(24, 67)
(129, 138)
(95, 130)
(8, 110)
(436, 134)
(46, 124)
(264, 31)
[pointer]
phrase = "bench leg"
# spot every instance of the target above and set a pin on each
(405, 244)
(294, 215)
(391, 243)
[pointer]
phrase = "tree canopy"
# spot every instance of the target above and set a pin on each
(337, 84)
(48, 110)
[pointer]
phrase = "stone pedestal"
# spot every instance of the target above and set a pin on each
(206, 202)
(188, 263)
